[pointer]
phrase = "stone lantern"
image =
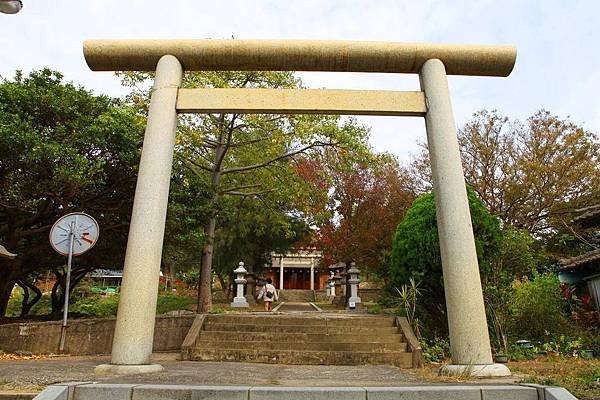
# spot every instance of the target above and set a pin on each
(337, 284)
(240, 301)
(251, 285)
(353, 280)
(330, 285)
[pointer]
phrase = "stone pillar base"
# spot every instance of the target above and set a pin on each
(476, 370)
(240, 302)
(119, 369)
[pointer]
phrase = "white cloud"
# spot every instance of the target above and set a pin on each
(556, 40)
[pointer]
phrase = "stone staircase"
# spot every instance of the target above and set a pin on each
(296, 295)
(303, 339)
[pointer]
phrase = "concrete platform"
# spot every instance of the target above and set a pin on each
(255, 381)
(93, 391)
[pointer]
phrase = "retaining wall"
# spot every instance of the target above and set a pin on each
(87, 336)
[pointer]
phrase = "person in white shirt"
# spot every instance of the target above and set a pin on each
(269, 294)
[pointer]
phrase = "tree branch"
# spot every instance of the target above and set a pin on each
(240, 187)
(278, 158)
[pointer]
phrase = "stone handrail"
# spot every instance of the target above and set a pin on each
(189, 343)
(413, 343)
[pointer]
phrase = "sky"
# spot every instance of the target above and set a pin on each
(557, 42)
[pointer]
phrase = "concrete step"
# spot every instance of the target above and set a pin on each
(304, 357)
(354, 321)
(296, 295)
(308, 346)
(297, 337)
(315, 329)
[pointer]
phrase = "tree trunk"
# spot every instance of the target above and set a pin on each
(9, 273)
(6, 286)
(27, 305)
(204, 288)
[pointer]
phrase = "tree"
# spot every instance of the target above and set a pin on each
(532, 174)
(363, 197)
(245, 155)
(416, 249)
(62, 149)
(250, 231)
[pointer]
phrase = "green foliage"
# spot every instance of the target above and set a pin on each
(62, 149)
(416, 253)
(168, 303)
(407, 298)
(435, 350)
(101, 307)
(536, 308)
(14, 303)
(96, 306)
(518, 258)
(521, 354)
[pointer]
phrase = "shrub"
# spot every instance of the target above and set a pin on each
(435, 350)
(416, 255)
(13, 308)
(96, 306)
(536, 308)
(171, 302)
(416, 248)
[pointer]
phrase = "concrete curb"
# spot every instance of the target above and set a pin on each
(17, 396)
(89, 391)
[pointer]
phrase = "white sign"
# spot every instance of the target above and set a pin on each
(85, 233)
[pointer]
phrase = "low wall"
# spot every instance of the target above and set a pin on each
(87, 336)
(371, 295)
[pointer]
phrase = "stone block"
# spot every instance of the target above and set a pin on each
(71, 387)
(558, 393)
(105, 391)
(508, 392)
(539, 388)
(307, 393)
(424, 393)
(221, 393)
(54, 392)
(187, 392)
(163, 392)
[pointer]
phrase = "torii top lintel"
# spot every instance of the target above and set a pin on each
(298, 55)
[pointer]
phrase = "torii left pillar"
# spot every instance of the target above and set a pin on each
(134, 331)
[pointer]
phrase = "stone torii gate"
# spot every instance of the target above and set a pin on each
(469, 340)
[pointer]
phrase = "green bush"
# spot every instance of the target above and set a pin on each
(535, 308)
(416, 248)
(564, 345)
(416, 255)
(520, 354)
(435, 350)
(96, 306)
(14, 303)
(171, 302)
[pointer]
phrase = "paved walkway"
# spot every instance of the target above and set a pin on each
(36, 374)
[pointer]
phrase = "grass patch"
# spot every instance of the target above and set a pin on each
(579, 376)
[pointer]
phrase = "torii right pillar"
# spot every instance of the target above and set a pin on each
(469, 338)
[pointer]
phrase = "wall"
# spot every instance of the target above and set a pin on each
(87, 336)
